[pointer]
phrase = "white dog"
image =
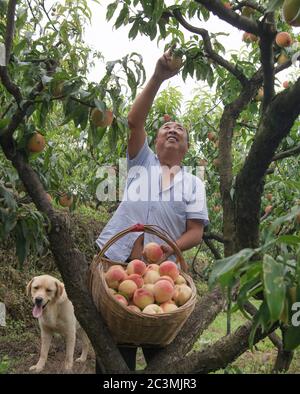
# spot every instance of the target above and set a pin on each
(55, 313)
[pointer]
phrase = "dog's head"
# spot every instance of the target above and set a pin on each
(44, 290)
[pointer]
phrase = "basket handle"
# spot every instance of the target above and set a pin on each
(147, 228)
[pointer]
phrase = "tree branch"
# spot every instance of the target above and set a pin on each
(275, 125)
(216, 356)
(208, 48)
(288, 153)
(203, 315)
(230, 16)
(9, 34)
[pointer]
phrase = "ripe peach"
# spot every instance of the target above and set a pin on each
(152, 267)
(127, 288)
(202, 162)
(286, 84)
(167, 118)
(180, 280)
(168, 306)
(134, 308)
(101, 119)
(211, 136)
(151, 276)
(163, 291)
(121, 299)
(152, 252)
(249, 37)
(269, 196)
(139, 281)
(142, 298)
(268, 209)
(136, 267)
(182, 293)
(152, 309)
(114, 277)
(283, 39)
(149, 287)
(169, 268)
(165, 277)
(227, 5)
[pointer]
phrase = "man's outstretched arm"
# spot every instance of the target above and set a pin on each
(140, 109)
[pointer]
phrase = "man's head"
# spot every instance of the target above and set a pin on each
(172, 142)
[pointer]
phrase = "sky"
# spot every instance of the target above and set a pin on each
(114, 44)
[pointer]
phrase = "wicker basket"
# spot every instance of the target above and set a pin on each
(134, 328)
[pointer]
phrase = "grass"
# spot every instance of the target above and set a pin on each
(258, 361)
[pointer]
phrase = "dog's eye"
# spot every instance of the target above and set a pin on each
(48, 290)
(35, 287)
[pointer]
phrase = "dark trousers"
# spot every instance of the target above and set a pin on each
(129, 355)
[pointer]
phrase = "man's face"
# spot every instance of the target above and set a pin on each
(172, 136)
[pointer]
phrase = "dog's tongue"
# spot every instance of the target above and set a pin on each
(37, 311)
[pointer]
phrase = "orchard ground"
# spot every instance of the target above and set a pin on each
(20, 339)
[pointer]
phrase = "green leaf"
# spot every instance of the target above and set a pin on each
(122, 18)
(274, 286)
(289, 239)
(223, 268)
(111, 8)
(291, 337)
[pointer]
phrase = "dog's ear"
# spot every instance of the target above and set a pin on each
(28, 287)
(60, 287)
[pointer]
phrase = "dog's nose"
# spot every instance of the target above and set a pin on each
(39, 300)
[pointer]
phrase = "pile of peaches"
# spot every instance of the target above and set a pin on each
(152, 288)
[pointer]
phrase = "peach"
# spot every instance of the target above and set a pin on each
(283, 39)
(152, 252)
(168, 306)
(136, 267)
(163, 291)
(165, 277)
(169, 268)
(114, 277)
(121, 299)
(127, 288)
(211, 136)
(149, 286)
(134, 308)
(139, 281)
(286, 84)
(151, 277)
(152, 267)
(142, 298)
(152, 309)
(268, 209)
(282, 59)
(180, 280)
(182, 293)
(249, 37)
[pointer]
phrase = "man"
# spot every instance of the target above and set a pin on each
(158, 190)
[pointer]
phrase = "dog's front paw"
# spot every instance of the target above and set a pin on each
(36, 368)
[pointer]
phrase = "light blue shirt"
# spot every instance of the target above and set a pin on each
(145, 202)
